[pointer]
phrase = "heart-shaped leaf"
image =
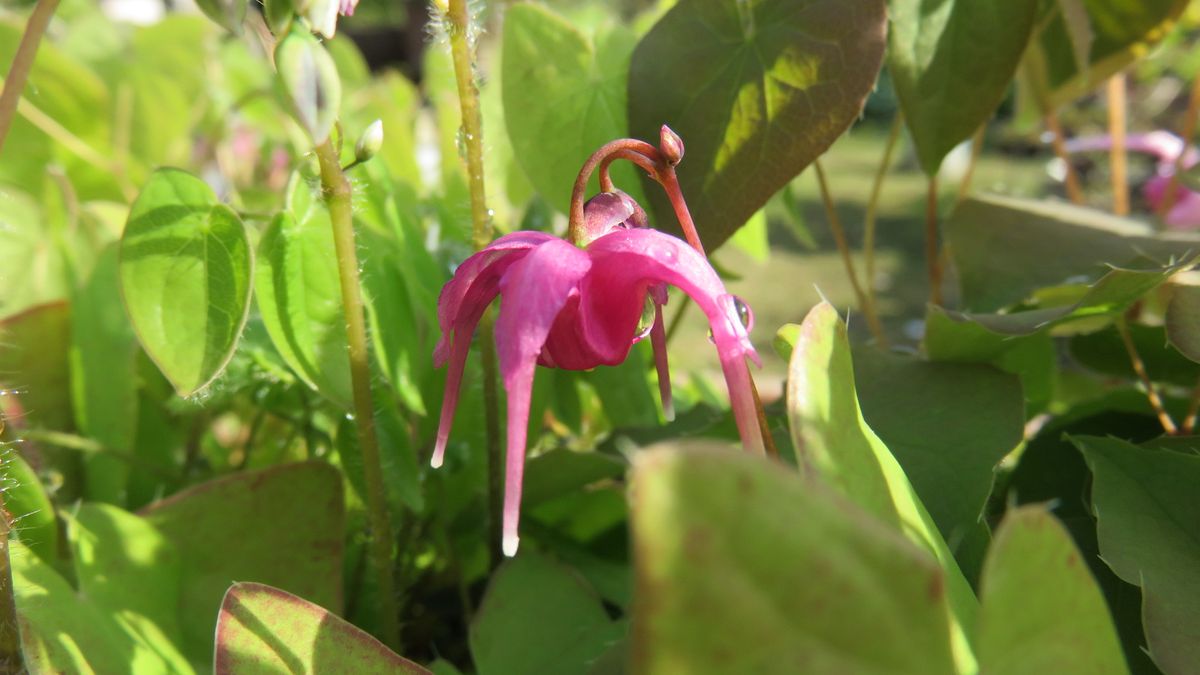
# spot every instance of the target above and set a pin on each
(185, 276)
(1041, 609)
(1148, 521)
(757, 89)
(564, 97)
(951, 62)
(743, 566)
(281, 526)
(264, 629)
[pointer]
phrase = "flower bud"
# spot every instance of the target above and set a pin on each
(369, 142)
(609, 211)
(670, 145)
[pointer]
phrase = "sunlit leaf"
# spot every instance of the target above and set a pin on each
(309, 79)
(756, 89)
(185, 277)
(25, 499)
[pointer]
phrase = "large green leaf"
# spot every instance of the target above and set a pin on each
(756, 89)
(833, 441)
(1148, 513)
(33, 517)
(928, 416)
(185, 276)
(63, 631)
(539, 618)
(1122, 31)
(280, 526)
(261, 629)
(299, 295)
(1005, 248)
(104, 378)
(1041, 609)
(743, 566)
(564, 97)
(34, 365)
(951, 62)
(36, 271)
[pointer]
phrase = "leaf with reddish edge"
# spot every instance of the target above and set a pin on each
(263, 629)
(757, 89)
(282, 526)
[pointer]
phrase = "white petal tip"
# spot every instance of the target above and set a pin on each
(435, 462)
(509, 545)
(669, 413)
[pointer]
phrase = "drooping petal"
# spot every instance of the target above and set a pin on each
(1185, 212)
(658, 342)
(626, 262)
(532, 293)
(461, 304)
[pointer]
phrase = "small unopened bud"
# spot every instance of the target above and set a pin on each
(369, 142)
(670, 145)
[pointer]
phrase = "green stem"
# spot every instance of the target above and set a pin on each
(1139, 368)
(337, 193)
(18, 73)
(461, 49)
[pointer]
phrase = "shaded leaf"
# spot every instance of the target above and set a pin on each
(1183, 318)
(564, 97)
(711, 531)
(281, 526)
(34, 365)
(1041, 611)
(833, 441)
(1104, 352)
(951, 62)
(756, 89)
(228, 13)
(261, 629)
(185, 276)
(1148, 514)
(538, 618)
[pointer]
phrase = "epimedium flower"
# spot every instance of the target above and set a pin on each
(577, 304)
(1183, 212)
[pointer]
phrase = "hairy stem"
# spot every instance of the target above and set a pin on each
(872, 216)
(933, 261)
(18, 72)
(458, 22)
(1186, 131)
(1117, 156)
(1139, 367)
(337, 192)
(839, 237)
(1059, 144)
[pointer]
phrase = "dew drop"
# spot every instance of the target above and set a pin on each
(744, 314)
(646, 322)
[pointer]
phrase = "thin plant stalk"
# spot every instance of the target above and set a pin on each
(1186, 131)
(1139, 367)
(872, 216)
(337, 192)
(964, 186)
(1059, 143)
(1117, 155)
(1189, 421)
(458, 24)
(18, 72)
(839, 237)
(933, 260)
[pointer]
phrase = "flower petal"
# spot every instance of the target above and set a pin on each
(532, 293)
(1163, 145)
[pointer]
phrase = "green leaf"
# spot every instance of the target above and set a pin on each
(299, 295)
(1148, 516)
(1041, 609)
(928, 416)
(1032, 358)
(309, 79)
(64, 632)
(1122, 31)
(1104, 352)
(229, 14)
(104, 379)
(951, 62)
(261, 629)
(1183, 317)
(35, 269)
(756, 89)
(1006, 248)
(833, 441)
(127, 568)
(744, 566)
(539, 618)
(564, 97)
(185, 276)
(401, 477)
(563, 472)
(280, 526)
(752, 238)
(33, 517)
(34, 364)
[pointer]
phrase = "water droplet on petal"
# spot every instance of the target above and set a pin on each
(646, 322)
(744, 314)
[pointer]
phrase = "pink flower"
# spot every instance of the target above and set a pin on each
(1184, 213)
(576, 308)
(346, 7)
